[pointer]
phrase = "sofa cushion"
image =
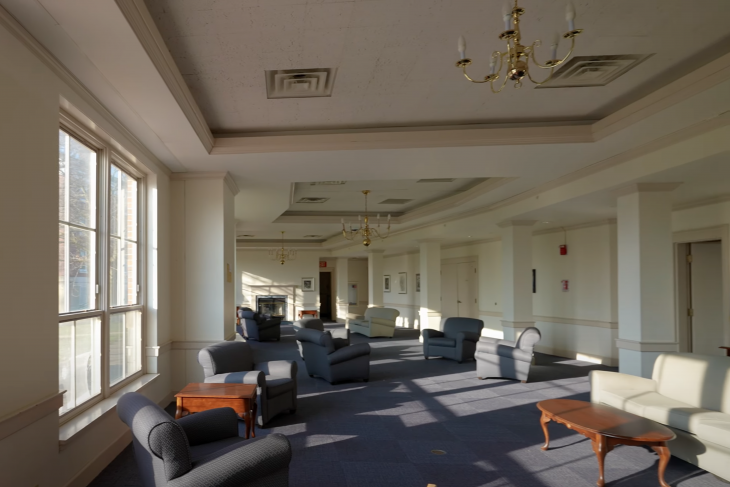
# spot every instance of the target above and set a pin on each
(383, 313)
(442, 342)
(702, 381)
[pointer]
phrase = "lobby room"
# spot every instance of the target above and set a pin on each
(393, 243)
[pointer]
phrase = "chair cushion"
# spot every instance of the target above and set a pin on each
(442, 342)
(277, 387)
(496, 348)
(340, 342)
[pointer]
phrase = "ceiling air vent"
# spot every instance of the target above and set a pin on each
(300, 83)
(327, 183)
(582, 71)
(312, 200)
(247, 236)
(437, 180)
(394, 201)
(313, 236)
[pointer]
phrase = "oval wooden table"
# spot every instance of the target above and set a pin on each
(607, 427)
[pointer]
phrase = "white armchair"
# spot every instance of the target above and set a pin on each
(377, 322)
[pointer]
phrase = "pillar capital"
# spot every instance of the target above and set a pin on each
(516, 223)
(646, 188)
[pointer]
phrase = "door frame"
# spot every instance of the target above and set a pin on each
(707, 234)
(464, 260)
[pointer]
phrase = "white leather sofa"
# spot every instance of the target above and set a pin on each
(689, 393)
(377, 322)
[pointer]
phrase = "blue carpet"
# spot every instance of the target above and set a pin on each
(381, 433)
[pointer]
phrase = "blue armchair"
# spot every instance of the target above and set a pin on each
(457, 342)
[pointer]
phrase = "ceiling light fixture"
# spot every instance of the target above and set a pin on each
(282, 255)
(517, 55)
(365, 231)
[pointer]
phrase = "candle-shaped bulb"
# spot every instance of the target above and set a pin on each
(462, 47)
(507, 16)
(492, 65)
(570, 16)
(554, 46)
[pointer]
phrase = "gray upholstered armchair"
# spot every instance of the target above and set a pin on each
(232, 363)
(506, 359)
(325, 359)
(458, 341)
(201, 449)
(341, 336)
(255, 326)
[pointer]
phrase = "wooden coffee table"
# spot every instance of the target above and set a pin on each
(607, 427)
(195, 398)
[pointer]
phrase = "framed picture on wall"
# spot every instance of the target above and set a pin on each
(307, 284)
(386, 284)
(352, 294)
(418, 283)
(402, 283)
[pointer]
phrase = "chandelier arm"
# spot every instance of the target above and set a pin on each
(472, 80)
(558, 63)
(504, 83)
(538, 83)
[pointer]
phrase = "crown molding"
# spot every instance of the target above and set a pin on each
(580, 226)
(50, 61)
(224, 176)
(403, 138)
(646, 188)
(149, 36)
(706, 202)
(516, 223)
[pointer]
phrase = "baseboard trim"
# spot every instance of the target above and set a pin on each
(95, 466)
(573, 355)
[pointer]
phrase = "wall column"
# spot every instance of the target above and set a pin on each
(375, 278)
(430, 263)
(516, 277)
(646, 316)
(342, 294)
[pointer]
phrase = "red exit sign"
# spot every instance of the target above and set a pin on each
(323, 263)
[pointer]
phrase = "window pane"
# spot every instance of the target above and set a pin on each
(79, 372)
(125, 345)
(123, 204)
(77, 180)
(76, 269)
(122, 272)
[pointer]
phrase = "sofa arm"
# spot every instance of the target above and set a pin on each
(211, 425)
(471, 336)
(486, 344)
(601, 380)
(239, 464)
(280, 369)
(431, 333)
(348, 353)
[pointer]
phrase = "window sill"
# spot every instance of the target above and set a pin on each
(68, 432)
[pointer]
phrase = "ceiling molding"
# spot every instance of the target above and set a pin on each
(154, 45)
(706, 202)
(516, 223)
(646, 188)
(697, 81)
(580, 226)
(404, 138)
(50, 61)
(471, 243)
(224, 176)
(248, 243)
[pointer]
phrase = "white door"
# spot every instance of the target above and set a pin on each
(706, 323)
(449, 293)
(467, 290)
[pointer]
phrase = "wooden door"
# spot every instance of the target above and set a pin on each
(707, 326)
(449, 291)
(467, 290)
(325, 295)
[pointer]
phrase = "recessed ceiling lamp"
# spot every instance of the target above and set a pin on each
(365, 231)
(282, 255)
(517, 55)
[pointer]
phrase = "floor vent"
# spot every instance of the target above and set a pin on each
(437, 180)
(584, 71)
(394, 201)
(300, 83)
(312, 200)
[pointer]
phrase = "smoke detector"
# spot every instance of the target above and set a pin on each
(300, 83)
(583, 71)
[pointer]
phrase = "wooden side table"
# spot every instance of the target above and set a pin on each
(311, 312)
(198, 397)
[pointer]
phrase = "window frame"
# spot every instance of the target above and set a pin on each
(106, 156)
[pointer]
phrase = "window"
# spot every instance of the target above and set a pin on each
(99, 288)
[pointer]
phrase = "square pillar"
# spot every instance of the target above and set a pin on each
(375, 278)
(646, 314)
(343, 289)
(429, 315)
(516, 277)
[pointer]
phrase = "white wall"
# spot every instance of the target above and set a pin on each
(30, 95)
(409, 303)
(357, 271)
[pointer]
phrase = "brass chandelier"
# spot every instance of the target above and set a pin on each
(365, 231)
(518, 56)
(282, 255)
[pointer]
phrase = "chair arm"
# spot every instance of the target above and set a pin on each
(472, 336)
(211, 425)
(280, 369)
(239, 465)
(486, 344)
(431, 333)
(255, 377)
(348, 353)
(601, 380)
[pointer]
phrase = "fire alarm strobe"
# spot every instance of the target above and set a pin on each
(564, 285)
(563, 249)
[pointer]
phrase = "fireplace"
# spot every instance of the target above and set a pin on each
(272, 305)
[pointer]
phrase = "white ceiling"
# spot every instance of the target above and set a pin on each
(395, 58)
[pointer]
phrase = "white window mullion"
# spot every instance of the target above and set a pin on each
(104, 245)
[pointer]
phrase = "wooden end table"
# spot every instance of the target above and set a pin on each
(310, 312)
(607, 427)
(198, 397)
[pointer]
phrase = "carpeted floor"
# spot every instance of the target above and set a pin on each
(381, 433)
